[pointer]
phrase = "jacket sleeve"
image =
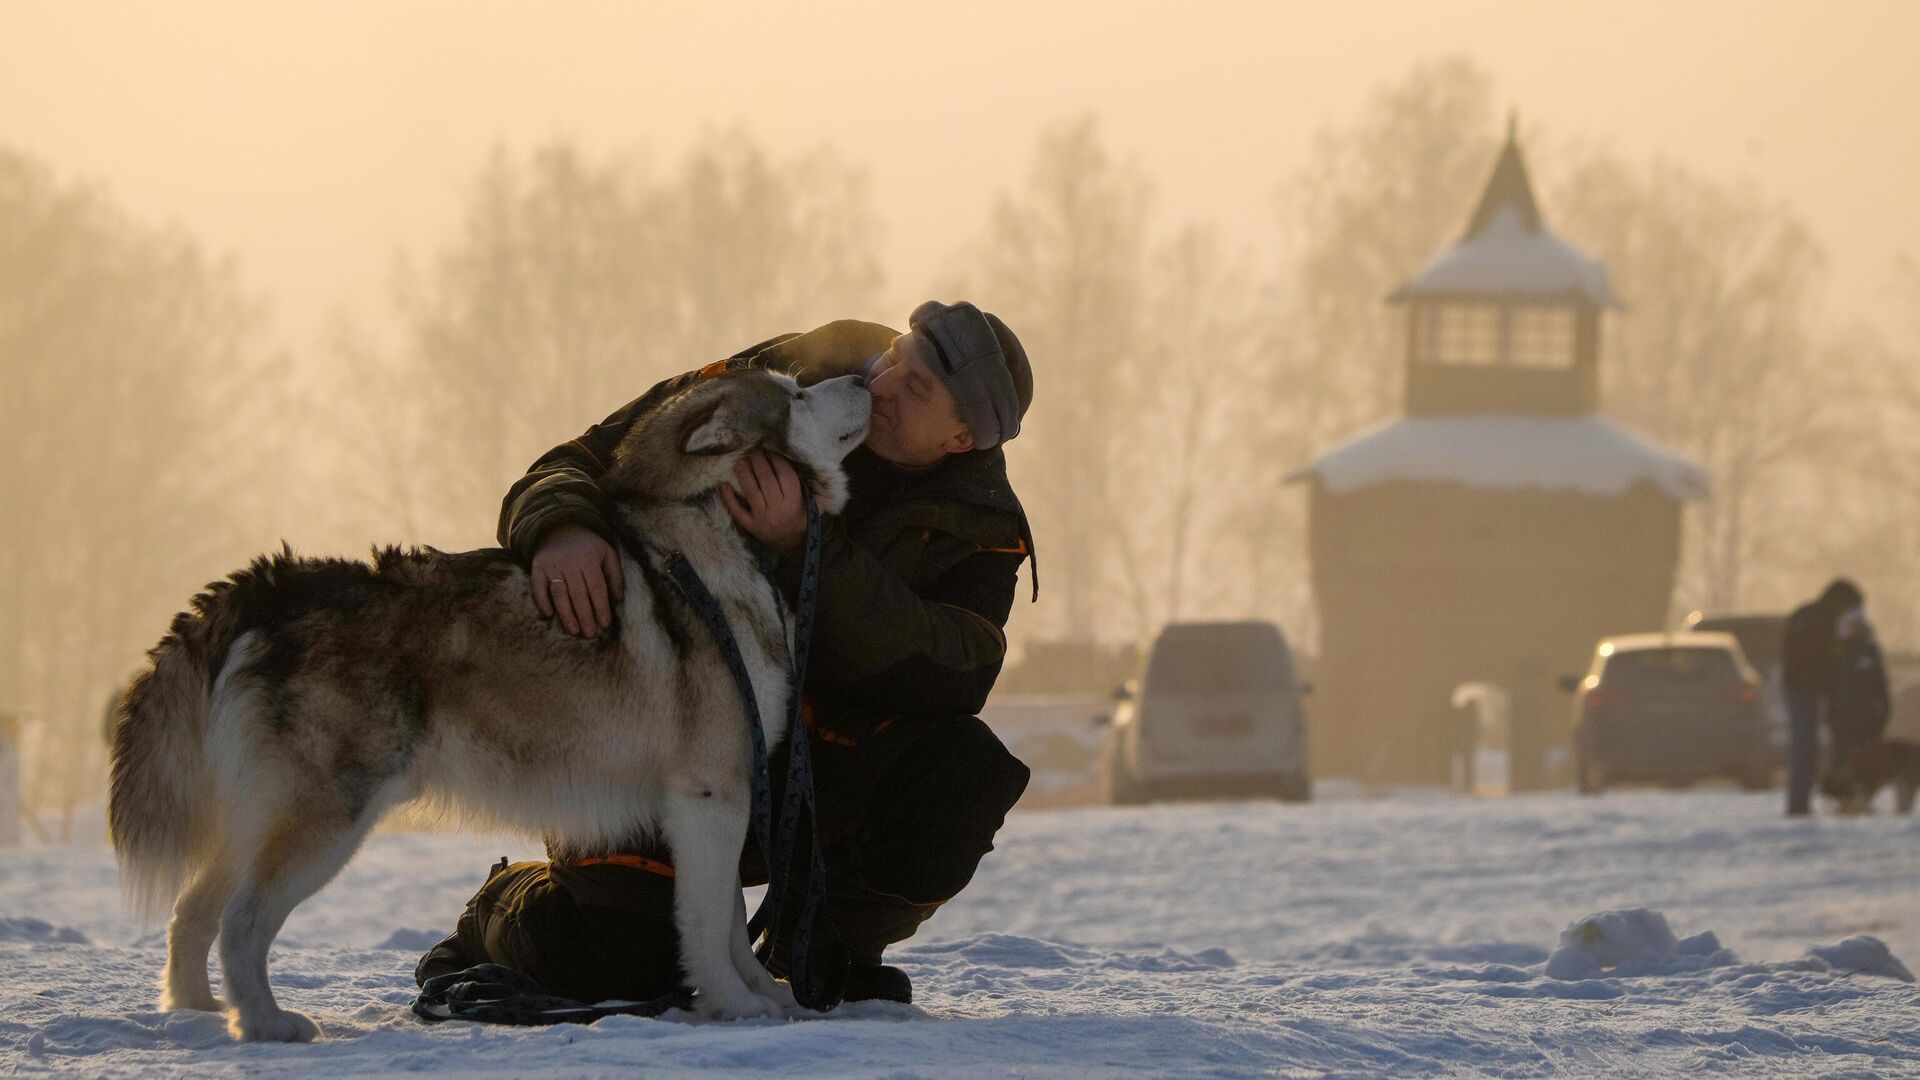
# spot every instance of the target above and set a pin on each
(880, 645)
(563, 487)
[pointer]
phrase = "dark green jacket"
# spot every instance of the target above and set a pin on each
(917, 574)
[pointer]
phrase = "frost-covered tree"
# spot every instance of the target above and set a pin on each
(576, 281)
(1064, 261)
(1861, 499)
(1380, 195)
(137, 467)
(1719, 353)
(1208, 323)
(1145, 343)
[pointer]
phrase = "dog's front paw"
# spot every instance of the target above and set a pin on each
(280, 1025)
(759, 981)
(742, 1004)
(781, 994)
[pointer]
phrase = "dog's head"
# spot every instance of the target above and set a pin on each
(688, 445)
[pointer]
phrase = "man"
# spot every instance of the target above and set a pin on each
(917, 579)
(1807, 658)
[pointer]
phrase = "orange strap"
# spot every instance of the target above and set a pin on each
(636, 862)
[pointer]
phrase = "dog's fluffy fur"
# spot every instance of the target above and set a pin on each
(301, 699)
(1853, 781)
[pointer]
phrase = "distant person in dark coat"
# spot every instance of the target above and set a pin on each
(1860, 703)
(1807, 661)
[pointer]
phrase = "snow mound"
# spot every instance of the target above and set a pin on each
(1633, 942)
(23, 930)
(1862, 955)
(412, 940)
(1013, 951)
(93, 1036)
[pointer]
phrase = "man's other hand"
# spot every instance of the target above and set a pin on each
(764, 500)
(576, 575)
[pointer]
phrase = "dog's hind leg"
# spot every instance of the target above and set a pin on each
(705, 828)
(196, 922)
(302, 851)
(1903, 797)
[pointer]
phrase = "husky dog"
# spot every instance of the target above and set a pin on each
(303, 698)
(1854, 780)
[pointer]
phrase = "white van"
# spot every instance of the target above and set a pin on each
(1217, 715)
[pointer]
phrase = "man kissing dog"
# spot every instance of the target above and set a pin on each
(303, 698)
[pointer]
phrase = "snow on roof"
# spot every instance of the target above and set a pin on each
(1590, 454)
(1507, 252)
(1509, 259)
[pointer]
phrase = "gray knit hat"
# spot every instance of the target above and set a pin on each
(982, 364)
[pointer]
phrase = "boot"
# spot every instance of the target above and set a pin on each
(878, 982)
(443, 959)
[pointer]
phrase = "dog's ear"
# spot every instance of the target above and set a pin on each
(711, 431)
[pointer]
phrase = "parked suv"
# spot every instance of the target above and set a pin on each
(1761, 637)
(1670, 709)
(1217, 714)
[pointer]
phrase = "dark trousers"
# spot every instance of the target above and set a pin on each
(906, 814)
(1803, 747)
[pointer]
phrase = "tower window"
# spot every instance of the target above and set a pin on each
(1491, 334)
(1540, 336)
(1457, 334)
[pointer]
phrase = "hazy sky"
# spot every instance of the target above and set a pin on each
(313, 141)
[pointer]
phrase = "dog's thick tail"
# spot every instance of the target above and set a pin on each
(161, 811)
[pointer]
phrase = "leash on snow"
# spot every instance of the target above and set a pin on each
(491, 994)
(812, 989)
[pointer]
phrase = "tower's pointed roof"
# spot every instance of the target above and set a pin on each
(1508, 186)
(1507, 251)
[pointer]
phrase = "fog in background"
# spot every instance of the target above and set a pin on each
(338, 275)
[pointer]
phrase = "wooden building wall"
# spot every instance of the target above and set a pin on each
(1421, 587)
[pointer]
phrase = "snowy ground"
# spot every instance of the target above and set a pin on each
(1413, 934)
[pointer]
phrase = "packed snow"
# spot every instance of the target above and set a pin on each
(1401, 934)
(1589, 454)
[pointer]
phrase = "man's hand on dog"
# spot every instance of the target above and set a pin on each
(764, 500)
(576, 575)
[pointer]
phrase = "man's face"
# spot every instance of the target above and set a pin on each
(914, 420)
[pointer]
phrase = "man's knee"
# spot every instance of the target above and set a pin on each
(962, 775)
(499, 922)
(934, 815)
(526, 917)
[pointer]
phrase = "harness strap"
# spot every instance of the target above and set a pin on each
(811, 989)
(708, 608)
(637, 862)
